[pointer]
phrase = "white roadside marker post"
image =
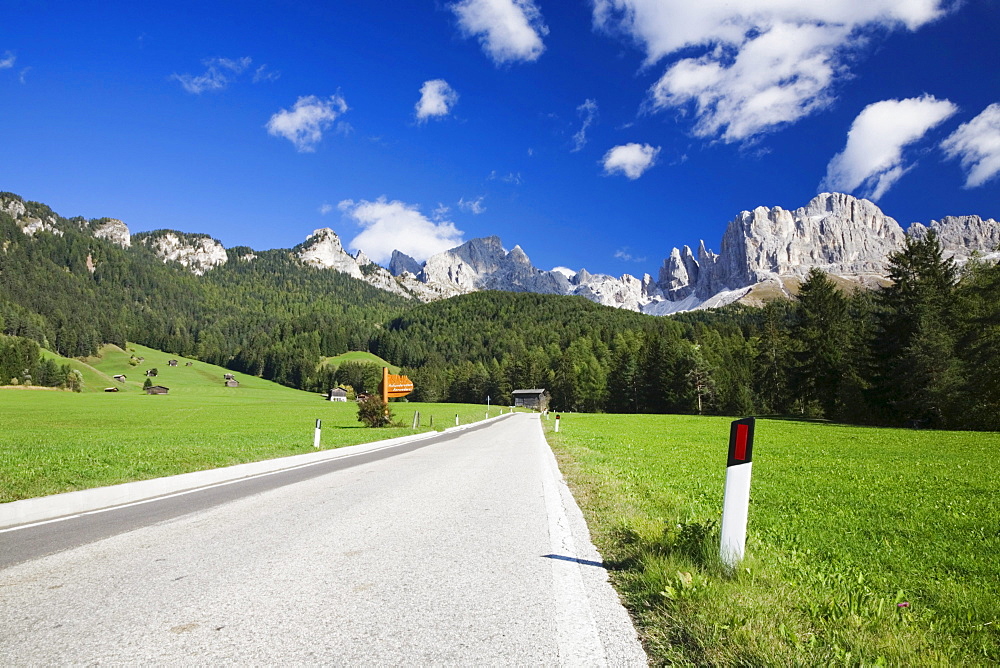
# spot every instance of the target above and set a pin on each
(557, 424)
(456, 419)
(319, 427)
(736, 499)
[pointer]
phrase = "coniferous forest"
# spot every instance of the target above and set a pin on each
(922, 351)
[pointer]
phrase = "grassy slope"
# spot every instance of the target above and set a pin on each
(62, 441)
(845, 523)
(358, 356)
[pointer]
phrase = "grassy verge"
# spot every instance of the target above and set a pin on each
(58, 441)
(846, 524)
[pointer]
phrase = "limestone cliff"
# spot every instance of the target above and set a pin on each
(197, 252)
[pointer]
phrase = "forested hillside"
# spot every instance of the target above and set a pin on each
(272, 316)
(922, 351)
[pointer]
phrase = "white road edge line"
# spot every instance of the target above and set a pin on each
(578, 639)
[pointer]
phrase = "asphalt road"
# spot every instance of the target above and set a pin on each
(464, 551)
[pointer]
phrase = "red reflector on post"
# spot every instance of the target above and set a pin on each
(741, 442)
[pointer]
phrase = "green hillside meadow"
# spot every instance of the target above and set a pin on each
(58, 441)
(358, 356)
(865, 546)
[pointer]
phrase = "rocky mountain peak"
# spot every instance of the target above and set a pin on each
(323, 249)
(362, 259)
(114, 231)
(401, 262)
(197, 252)
(960, 236)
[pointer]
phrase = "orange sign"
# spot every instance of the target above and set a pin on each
(395, 386)
(399, 386)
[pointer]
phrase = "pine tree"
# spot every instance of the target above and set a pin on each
(821, 331)
(917, 367)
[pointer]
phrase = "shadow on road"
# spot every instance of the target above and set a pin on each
(584, 562)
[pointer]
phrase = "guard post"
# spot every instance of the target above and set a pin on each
(319, 427)
(736, 499)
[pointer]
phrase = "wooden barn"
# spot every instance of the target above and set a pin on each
(157, 389)
(232, 383)
(537, 399)
(337, 394)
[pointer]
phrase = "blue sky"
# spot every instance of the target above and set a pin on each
(595, 134)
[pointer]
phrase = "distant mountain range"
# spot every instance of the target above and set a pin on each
(763, 253)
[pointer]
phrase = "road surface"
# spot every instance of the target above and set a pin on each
(464, 551)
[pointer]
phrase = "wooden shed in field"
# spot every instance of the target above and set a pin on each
(157, 389)
(232, 383)
(337, 394)
(538, 399)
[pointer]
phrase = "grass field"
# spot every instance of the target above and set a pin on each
(358, 356)
(864, 546)
(58, 441)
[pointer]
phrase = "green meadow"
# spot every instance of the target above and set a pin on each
(58, 441)
(358, 356)
(865, 546)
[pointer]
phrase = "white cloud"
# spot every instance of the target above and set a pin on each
(440, 212)
(872, 160)
(474, 206)
(623, 255)
(394, 225)
(219, 73)
(588, 112)
(305, 123)
(565, 271)
(262, 73)
(7, 61)
(759, 64)
(511, 177)
(509, 30)
(632, 160)
(436, 99)
(325, 208)
(977, 145)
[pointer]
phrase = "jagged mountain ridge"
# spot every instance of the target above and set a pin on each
(843, 235)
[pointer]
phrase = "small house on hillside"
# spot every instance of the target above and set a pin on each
(152, 373)
(120, 377)
(188, 363)
(171, 362)
(338, 394)
(232, 383)
(111, 389)
(229, 376)
(537, 399)
(157, 389)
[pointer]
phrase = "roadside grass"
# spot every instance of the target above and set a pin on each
(846, 524)
(58, 441)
